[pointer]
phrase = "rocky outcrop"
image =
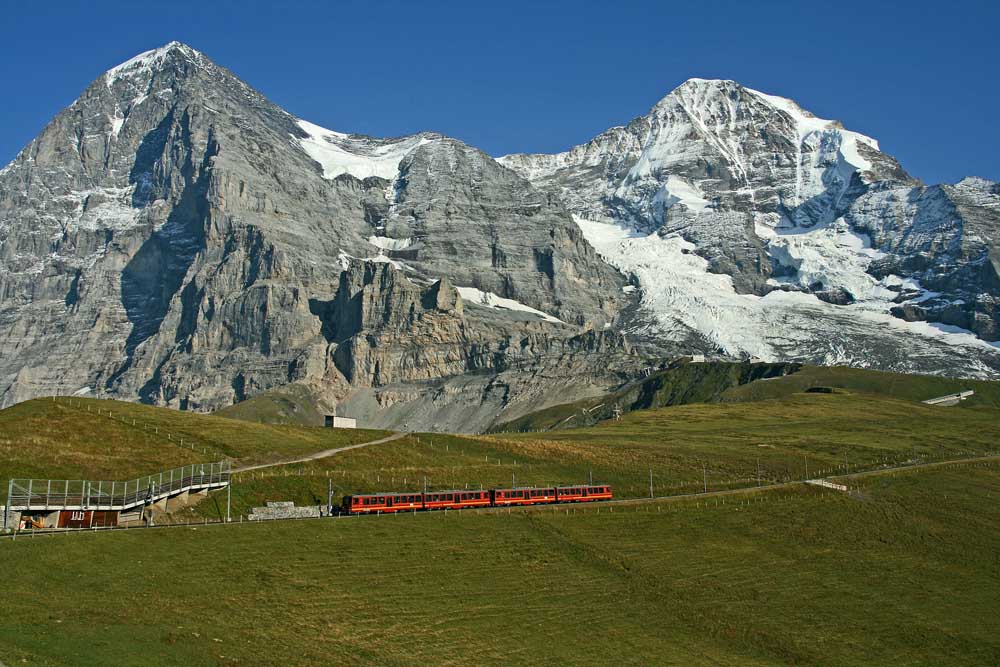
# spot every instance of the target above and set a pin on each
(947, 239)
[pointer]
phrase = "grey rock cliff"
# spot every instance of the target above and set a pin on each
(171, 238)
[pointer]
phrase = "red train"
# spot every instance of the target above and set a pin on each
(456, 500)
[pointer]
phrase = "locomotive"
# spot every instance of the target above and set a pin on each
(466, 499)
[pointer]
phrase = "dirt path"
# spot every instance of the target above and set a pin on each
(323, 454)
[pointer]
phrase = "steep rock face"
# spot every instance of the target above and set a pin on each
(174, 237)
(945, 237)
(454, 211)
(814, 235)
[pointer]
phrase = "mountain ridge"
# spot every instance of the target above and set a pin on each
(175, 237)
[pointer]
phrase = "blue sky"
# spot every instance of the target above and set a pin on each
(921, 77)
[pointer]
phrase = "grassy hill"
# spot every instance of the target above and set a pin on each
(737, 382)
(82, 438)
(291, 404)
(721, 445)
(897, 385)
(685, 447)
(904, 574)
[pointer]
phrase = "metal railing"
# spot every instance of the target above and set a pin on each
(51, 494)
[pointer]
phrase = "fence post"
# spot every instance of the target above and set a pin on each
(6, 508)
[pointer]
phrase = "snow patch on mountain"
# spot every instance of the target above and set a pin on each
(490, 300)
(362, 157)
(829, 257)
(684, 297)
(807, 124)
(386, 243)
(677, 190)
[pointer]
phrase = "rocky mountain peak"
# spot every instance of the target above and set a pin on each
(175, 237)
(722, 178)
(149, 61)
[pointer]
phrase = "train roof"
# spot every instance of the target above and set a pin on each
(509, 488)
(412, 493)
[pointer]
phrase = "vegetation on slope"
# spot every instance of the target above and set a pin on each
(685, 447)
(897, 385)
(291, 404)
(679, 385)
(735, 382)
(79, 438)
(904, 575)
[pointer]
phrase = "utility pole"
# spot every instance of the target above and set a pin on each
(591, 476)
(758, 471)
(805, 461)
(704, 470)
(650, 482)
(229, 496)
(513, 480)
(329, 496)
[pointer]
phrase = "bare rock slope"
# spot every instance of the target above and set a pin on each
(176, 238)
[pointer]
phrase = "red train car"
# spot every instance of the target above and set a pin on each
(441, 500)
(583, 493)
(525, 496)
(456, 500)
(383, 503)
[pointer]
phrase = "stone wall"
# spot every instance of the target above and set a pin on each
(13, 517)
(283, 510)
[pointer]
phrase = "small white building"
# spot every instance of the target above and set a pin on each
(340, 422)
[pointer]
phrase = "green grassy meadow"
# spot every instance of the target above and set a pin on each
(903, 573)
(723, 444)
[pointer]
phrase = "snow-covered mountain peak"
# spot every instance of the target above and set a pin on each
(148, 61)
(980, 184)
